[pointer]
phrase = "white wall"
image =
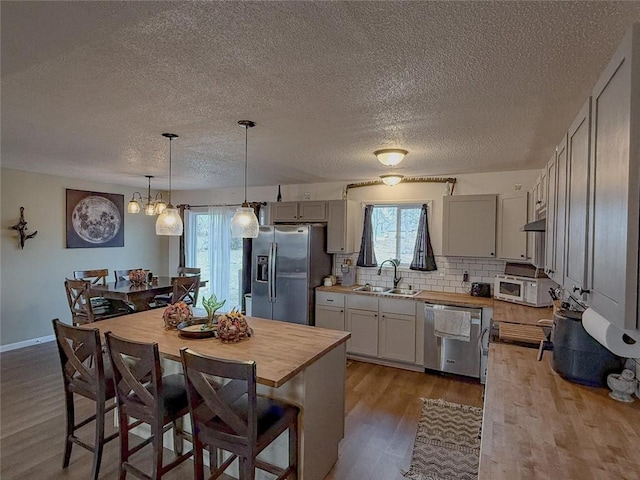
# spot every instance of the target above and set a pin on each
(32, 280)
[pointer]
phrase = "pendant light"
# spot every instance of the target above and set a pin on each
(169, 221)
(244, 222)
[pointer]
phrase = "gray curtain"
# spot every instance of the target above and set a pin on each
(367, 256)
(423, 258)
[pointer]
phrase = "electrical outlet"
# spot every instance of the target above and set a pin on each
(306, 195)
(465, 276)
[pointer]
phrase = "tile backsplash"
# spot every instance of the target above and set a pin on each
(448, 277)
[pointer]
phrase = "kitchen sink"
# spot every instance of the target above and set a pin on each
(402, 292)
(370, 289)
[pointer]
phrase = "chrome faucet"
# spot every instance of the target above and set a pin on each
(395, 262)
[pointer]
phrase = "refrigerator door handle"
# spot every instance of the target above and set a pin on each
(272, 272)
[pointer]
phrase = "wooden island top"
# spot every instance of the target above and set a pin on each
(280, 349)
(537, 425)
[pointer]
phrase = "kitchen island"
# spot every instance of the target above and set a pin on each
(297, 363)
(537, 425)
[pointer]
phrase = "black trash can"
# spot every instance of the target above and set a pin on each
(577, 356)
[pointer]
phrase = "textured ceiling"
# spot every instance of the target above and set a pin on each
(88, 87)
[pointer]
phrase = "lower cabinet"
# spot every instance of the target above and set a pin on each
(330, 310)
(397, 330)
(363, 325)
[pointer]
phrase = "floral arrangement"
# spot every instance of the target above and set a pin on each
(175, 314)
(233, 327)
(138, 277)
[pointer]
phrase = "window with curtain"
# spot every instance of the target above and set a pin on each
(210, 247)
(395, 228)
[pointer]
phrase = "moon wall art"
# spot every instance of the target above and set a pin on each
(94, 219)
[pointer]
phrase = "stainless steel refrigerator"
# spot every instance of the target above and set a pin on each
(288, 262)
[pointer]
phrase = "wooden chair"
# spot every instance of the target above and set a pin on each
(165, 299)
(184, 271)
(99, 277)
(142, 393)
(121, 275)
(185, 289)
(83, 309)
(232, 417)
(85, 373)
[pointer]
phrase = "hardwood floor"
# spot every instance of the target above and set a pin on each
(382, 411)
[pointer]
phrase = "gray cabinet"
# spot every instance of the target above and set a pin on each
(575, 271)
(397, 330)
(330, 310)
(469, 226)
(341, 225)
(362, 322)
(615, 187)
(550, 234)
(556, 272)
(512, 215)
(288, 212)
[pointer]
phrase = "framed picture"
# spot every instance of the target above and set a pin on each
(94, 219)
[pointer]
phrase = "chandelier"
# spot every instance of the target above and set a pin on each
(151, 206)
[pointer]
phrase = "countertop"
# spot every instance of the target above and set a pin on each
(458, 299)
(280, 349)
(537, 425)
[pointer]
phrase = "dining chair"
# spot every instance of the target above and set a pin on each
(183, 271)
(145, 395)
(185, 289)
(99, 277)
(165, 298)
(86, 373)
(229, 415)
(83, 309)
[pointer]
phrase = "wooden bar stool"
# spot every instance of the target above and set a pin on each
(230, 416)
(84, 373)
(144, 394)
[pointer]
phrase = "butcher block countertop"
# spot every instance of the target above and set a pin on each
(514, 313)
(536, 425)
(458, 299)
(280, 349)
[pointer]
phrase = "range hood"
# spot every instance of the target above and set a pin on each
(536, 226)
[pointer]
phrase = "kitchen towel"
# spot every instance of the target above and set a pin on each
(452, 324)
(624, 343)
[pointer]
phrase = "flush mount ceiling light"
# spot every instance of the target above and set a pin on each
(151, 206)
(390, 156)
(244, 222)
(391, 180)
(169, 221)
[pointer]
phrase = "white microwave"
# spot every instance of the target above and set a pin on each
(524, 290)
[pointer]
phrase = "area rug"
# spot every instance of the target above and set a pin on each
(447, 445)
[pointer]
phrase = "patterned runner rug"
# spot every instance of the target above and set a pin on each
(447, 445)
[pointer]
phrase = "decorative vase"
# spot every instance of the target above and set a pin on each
(176, 314)
(138, 277)
(622, 385)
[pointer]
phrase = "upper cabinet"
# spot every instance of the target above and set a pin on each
(556, 272)
(512, 215)
(578, 139)
(469, 226)
(303, 212)
(550, 234)
(341, 225)
(615, 187)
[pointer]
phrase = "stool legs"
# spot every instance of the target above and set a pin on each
(71, 419)
(99, 440)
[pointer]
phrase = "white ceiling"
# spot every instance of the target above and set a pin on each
(88, 87)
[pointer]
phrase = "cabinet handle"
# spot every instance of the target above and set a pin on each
(580, 290)
(341, 311)
(521, 256)
(491, 254)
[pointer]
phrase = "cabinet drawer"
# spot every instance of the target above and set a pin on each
(394, 305)
(362, 302)
(330, 299)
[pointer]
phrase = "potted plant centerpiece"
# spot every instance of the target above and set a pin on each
(211, 304)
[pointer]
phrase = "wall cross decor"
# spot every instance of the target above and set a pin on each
(21, 227)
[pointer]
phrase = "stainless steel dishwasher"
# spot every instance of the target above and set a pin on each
(449, 355)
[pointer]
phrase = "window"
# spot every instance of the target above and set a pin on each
(394, 231)
(210, 247)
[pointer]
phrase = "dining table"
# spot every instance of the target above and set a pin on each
(139, 295)
(300, 364)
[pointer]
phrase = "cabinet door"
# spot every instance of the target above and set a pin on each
(469, 226)
(337, 241)
(557, 271)
(312, 211)
(614, 186)
(330, 317)
(363, 325)
(577, 200)
(397, 337)
(550, 234)
(284, 212)
(513, 215)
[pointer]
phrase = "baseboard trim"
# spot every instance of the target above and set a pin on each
(27, 343)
